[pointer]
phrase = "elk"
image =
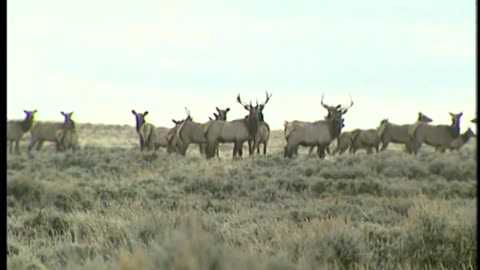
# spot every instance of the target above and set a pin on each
(332, 110)
(220, 115)
(344, 143)
(264, 129)
(187, 132)
(42, 132)
(237, 131)
(144, 129)
(460, 141)
(319, 133)
(16, 129)
(393, 133)
(438, 136)
(366, 139)
(67, 138)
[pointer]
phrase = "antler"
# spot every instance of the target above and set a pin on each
(344, 110)
(188, 112)
(267, 98)
(323, 104)
(239, 100)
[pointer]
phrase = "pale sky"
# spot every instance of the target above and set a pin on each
(101, 59)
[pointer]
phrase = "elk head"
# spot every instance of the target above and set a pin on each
(139, 118)
(29, 115)
(68, 121)
(423, 118)
(222, 114)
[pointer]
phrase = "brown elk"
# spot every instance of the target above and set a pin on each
(393, 133)
(16, 129)
(366, 139)
(344, 143)
(461, 140)
(236, 131)
(188, 132)
(438, 136)
(264, 128)
(319, 133)
(42, 132)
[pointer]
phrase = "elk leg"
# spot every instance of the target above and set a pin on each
(240, 149)
(17, 147)
(310, 151)
(320, 152)
(40, 144)
(265, 148)
(384, 145)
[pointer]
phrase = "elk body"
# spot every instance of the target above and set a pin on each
(344, 143)
(188, 132)
(67, 138)
(438, 136)
(16, 129)
(236, 131)
(365, 139)
(289, 126)
(319, 133)
(42, 132)
(393, 133)
(460, 141)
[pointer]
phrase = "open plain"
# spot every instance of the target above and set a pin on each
(111, 206)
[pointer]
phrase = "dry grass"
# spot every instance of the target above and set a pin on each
(112, 207)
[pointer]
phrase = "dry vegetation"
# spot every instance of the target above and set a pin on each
(112, 207)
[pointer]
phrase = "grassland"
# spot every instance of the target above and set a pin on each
(112, 207)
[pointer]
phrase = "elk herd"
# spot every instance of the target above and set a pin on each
(255, 131)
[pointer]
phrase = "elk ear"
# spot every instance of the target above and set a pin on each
(216, 108)
(145, 113)
(174, 121)
(34, 111)
(134, 112)
(210, 118)
(227, 109)
(62, 113)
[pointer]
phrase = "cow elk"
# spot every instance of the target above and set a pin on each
(16, 129)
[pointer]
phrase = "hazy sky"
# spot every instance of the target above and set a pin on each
(101, 59)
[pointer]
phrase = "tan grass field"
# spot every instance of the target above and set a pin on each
(110, 206)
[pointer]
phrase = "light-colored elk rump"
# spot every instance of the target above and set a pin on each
(319, 133)
(16, 129)
(344, 143)
(438, 136)
(42, 132)
(398, 134)
(365, 139)
(67, 139)
(460, 141)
